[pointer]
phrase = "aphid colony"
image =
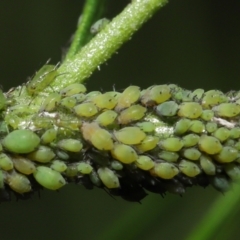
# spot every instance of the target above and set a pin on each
(160, 139)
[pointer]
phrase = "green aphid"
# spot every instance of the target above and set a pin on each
(40, 122)
(58, 166)
(207, 165)
(99, 25)
(49, 136)
(237, 145)
(128, 97)
(116, 165)
(85, 110)
(84, 168)
(18, 182)
(197, 126)
(197, 94)
(79, 97)
(147, 127)
(168, 156)
(70, 123)
(92, 95)
(71, 145)
(190, 140)
(149, 143)
(108, 177)
(43, 154)
(212, 98)
(191, 153)
(209, 144)
(182, 126)
(229, 142)
(106, 118)
(3, 100)
(165, 170)
(233, 171)
(94, 177)
(49, 178)
(172, 144)
(73, 89)
(105, 101)
(12, 120)
(181, 95)
(21, 141)
(68, 102)
(42, 79)
(124, 153)
(50, 103)
(23, 165)
(98, 137)
(71, 170)
(207, 115)
(2, 177)
(188, 168)
(5, 162)
(211, 127)
(190, 110)
(227, 110)
(221, 183)
(156, 95)
(222, 134)
(235, 133)
(226, 155)
(131, 114)
(167, 109)
(130, 135)
(144, 162)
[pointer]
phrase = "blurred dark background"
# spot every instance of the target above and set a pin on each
(194, 44)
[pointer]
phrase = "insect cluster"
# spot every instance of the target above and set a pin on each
(161, 139)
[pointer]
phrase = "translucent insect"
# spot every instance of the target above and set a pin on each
(168, 156)
(116, 165)
(106, 118)
(190, 110)
(172, 144)
(94, 177)
(3, 100)
(73, 89)
(197, 126)
(227, 110)
(18, 182)
(147, 127)
(84, 168)
(42, 79)
(71, 170)
(49, 178)
(189, 168)
(85, 110)
(207, 165)
(165, 170)
(144, 162)
(108, 177)
(197, 94)
(130, 135)
(5, 162)
(212, 98)
(211, 127)
(49, 136)
(131, 114)
(222, 134)
(167, 109)
(233, 171)
(227, 154)
(21, 141)
(71, 145)
(124, 153)
(207, 115)
(147, 144)
(220, 182)
(235, 133)
(23, 165)
(105, 101)
(182, 126)
(58, 166)
(209, 144)
(43, 154)
(190, 140)
(191, 153)
(50, 103)
(68, 102)
(99, 25)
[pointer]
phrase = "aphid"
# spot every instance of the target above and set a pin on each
(71, 145)
(84, 168)
(73, 89)
(116, 165)
(212, 98)
(85, 110)
(197, 94)
(71, 170)
(50, 103)
(207, 165)
(69, 122)
(99, 25)
(209, 144)
(108, 177)
(94, 177)
(21, 141)
(124, 153)
(147, 127)
(191, 153)
(165, 170)
(49, 136)
(190, 140)
(148, 143)
(182, 126)
(68, 102)
(211, 127)
(167, 109)
(227, 109)
(130, 135)
(222, 134)
(98, 137)
(1, 180)
(156, 95)
(233, 171)
(220, 182)
(58, 166)
(227, 154)
(5, 162)
(189, 168)
(23, 165)
(171, 144)
(190, 110)
(3, 100)
(168, 156)
(18, 182)
(49, 178)
(207, 115)
(43, 154)
(129, 96)
(42, 79)
(92, 95)
(106, 118)
(105, 101)
(235, 133)
(131, 114)
(144, 162)
(197, 126)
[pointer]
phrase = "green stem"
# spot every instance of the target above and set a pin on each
(107, 42)
(92, 10)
